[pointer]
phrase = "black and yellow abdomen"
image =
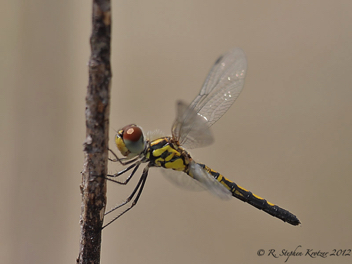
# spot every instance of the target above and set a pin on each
(248, 197)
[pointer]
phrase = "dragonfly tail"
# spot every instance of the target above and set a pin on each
(254, 200)
(262, 204)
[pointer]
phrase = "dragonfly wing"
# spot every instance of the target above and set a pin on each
(181, 180)
(190, 129)
(209, 182)
(221, 88)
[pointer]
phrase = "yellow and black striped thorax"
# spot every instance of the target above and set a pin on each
(164, 152)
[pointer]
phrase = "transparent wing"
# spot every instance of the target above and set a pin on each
(201, 181)
(221, 88)
(182, 180)
(190, 129)
(209, 182)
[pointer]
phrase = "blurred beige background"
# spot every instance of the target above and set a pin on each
(287, 138)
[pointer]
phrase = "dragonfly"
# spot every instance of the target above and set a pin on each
(191, 130)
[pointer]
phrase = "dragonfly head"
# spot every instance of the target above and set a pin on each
(130, 140)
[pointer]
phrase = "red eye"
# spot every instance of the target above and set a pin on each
(132, 133)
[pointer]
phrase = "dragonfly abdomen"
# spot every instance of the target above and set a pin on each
(254, 200)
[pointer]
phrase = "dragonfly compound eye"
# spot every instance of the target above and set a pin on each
(132, 133)
(130, 140)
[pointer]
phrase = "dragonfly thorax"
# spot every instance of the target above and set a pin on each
(164, 152)
(130, 140)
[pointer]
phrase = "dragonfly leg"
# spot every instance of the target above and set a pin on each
(136, 165)
(122, 160)
(139, 188)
